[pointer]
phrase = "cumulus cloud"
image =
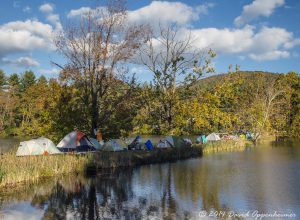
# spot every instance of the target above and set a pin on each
(24, 36)
(47, 8)
(257, 8)
(79, 12)
(163, 12)
(26, 62)
(53, 18)
(168, 12)
(265, 44)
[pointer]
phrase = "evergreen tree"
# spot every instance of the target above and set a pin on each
(2, 79)
(27, 80)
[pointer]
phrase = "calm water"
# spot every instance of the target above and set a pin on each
(264, 178)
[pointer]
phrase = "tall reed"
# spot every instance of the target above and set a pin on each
(15, 169)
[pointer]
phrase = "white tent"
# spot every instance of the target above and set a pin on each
(39, 146)
(170, 140)
(213, 137)
(76, 141)
(112, 145)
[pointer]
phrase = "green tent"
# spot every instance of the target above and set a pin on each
(176, 141)
(39, 146)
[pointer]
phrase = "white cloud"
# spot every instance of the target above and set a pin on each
(27, 9)
(79, 12)
(271, 55)
(265, 44)
(257, 8)
(163, 12)
(53, 71)
(168, 12)
(26, 62)
(25, 36)
(46, 8)
(54, 19)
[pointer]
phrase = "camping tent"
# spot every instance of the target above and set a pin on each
(98, 145)
(76, 141)
(39, 146)
(112, 145)
(201, 139)
(213, 137)
(172, 141)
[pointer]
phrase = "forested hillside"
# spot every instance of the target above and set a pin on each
(248, 101)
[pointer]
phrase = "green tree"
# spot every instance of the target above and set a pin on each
(14, 80)
(2, 79)
(28, 79)
(42, 80)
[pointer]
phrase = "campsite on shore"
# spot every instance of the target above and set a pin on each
(152, 110)
(78, 153)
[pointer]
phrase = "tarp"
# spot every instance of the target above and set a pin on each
(149, 145)
(112, 145)
(213, 137)
(137, 144)
(39, 146)
(76, 141)
(201, 139)
(98, 145)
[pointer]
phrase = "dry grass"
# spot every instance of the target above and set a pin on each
(15, 170)
(224, 146)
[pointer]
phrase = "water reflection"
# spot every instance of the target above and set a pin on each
(264, 179)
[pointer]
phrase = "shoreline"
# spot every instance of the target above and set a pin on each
(16, 171)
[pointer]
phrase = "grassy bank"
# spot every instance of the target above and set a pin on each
(107, 160)
(225, 146)
(14, 170)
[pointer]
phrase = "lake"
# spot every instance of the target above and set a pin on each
(263, 179)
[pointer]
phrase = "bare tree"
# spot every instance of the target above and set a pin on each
(94, 48)
(174, 61)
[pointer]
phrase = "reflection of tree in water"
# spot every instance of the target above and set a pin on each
(112, 195)
(196, 182)
(107, 196)
(100, 197)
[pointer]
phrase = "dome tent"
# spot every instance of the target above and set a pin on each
(213, 137)
(172, 141)
(76, 141)
(113, 145)
(39, 146)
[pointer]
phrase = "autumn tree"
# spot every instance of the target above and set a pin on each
(175, 62)
(94, 48)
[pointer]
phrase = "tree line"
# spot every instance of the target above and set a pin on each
(95, 88)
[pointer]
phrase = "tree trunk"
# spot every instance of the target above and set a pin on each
(95, 113)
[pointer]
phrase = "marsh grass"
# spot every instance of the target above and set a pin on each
(224, 146)
(15, 170)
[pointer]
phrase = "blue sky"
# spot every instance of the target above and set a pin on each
(257, 35)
